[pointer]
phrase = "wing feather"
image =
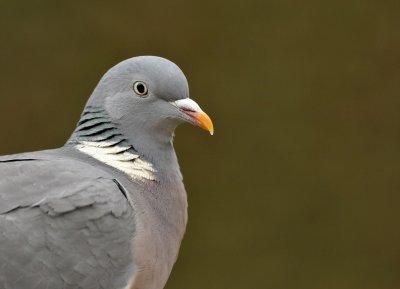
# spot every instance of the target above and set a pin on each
(63, 224)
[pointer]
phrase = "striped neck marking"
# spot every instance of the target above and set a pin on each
(97, 136)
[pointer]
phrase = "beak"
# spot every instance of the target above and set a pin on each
(191, 109)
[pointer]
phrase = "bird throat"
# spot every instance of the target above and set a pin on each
(99, 137)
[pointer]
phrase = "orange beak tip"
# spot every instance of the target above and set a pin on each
(204, 121)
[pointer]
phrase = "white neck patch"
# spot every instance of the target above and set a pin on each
(119, 157)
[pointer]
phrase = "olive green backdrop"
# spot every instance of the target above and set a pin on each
(299, 187)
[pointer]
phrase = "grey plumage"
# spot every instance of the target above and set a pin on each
(107, 210)
(59, 229)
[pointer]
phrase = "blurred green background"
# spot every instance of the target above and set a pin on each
(299, 188)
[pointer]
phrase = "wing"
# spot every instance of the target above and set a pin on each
(63, 224)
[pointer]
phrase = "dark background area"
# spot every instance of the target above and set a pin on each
(299, 187)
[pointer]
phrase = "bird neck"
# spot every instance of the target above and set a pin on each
(141, 158)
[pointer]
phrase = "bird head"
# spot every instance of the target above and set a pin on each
(149, 95)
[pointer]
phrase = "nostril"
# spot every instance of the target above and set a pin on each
(187, 109)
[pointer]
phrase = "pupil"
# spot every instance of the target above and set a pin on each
(140, 88)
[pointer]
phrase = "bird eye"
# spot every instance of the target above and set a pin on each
(140, 88)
